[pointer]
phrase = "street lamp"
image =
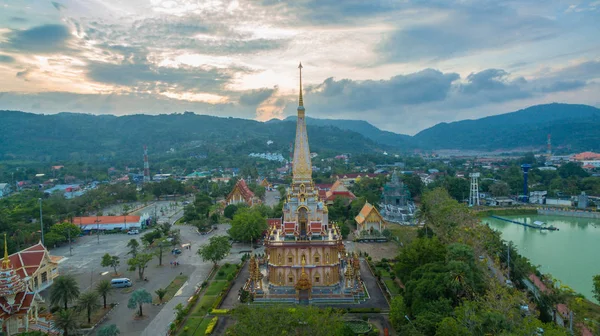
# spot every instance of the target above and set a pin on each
(41, 221)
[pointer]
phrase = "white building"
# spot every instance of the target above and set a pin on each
(4, 189)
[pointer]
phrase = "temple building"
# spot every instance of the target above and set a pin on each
(36, 266)
(305, 258)
(241, 193)
(19, 304)
(396, 204)
(369, 220)
(338, 189)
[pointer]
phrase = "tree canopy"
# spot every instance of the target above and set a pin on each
(217, 248)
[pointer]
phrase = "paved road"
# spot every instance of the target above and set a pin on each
(272, 197)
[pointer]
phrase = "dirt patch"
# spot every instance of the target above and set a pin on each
(377, 251)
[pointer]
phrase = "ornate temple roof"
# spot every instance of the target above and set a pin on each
(338, 189)
(26, 262)
(243, 189)
(366, 210)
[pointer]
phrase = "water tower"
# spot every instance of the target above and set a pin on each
(474, 193)
(525, 167)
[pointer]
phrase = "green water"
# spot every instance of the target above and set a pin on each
(570, 254)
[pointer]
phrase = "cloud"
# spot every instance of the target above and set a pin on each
(464, 28)
(563, 86)
(17, 19)
(494, 85)
(256, 97)
(6, 59)
(50, 38)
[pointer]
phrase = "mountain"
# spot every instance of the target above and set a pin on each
(395, 140)
(75, 136)
(573, 126)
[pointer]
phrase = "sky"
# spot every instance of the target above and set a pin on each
(401, 65)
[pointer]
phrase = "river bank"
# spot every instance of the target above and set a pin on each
(568, 254)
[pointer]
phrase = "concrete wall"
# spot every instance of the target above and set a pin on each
(569, 213)
(554, 201)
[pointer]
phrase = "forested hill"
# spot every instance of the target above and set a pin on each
(573, 126)
(74, 136)
(399, 141)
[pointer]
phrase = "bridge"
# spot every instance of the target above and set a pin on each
(551, 228)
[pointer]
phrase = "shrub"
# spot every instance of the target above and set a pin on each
(230, 277)
(227, 265)
(365, 318)
(384, 260)
(221, 273)
(204, 284)
(369, 258)
(220, 311)
(211, 325)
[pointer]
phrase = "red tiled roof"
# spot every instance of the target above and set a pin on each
(584, 330)
(27, 261)
(322, 194)
(586, 156)
(105, 220)
(538, 283)
(244, 190)
(562, 309)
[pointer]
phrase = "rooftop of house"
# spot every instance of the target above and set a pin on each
(26, 262)
(105, 220)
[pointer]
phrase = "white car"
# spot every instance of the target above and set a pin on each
(133, 232)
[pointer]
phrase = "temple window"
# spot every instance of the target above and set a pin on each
(35, 282)
(290, 260)
(279, 259)
(44, 277)
(316, 260)
(317, 279)
(291, 279)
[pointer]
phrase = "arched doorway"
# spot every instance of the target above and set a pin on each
(303, 220)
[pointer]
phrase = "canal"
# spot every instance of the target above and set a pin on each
(570, 255)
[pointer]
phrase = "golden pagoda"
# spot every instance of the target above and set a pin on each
(305, 254)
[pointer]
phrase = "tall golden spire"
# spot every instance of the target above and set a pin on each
(300, 101)
(5, 261)
(302, 165)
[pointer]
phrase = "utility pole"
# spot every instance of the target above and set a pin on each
(97, 227)
(41, 221)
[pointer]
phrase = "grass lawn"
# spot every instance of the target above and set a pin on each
(392, 286)
(384, 272)
(195, 325)
(215, 287)
(97, 315)
(204, 305)
(230, 269)
(172, 288)
(405, 234)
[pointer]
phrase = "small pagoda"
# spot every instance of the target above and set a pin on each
(396, 204)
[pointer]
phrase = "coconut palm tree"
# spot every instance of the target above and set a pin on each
(161, 292)
(64, 290)
(88, 301)
(66, 320)
(103, 288)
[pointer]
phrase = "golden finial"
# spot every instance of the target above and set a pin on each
(300, 101)
(6, 261)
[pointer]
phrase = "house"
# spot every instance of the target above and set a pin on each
(103, 223)
(537, 197)
(500, 201)
(369, 219)
(351, 178)
(241, 193)
(338, 189)
(19, 304)
(586, 156)
(36, 266)
(4, 189)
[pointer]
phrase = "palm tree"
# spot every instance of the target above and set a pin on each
(66, 320)
(88, 301)
(161, 292)
(64, 290)
(103, 288)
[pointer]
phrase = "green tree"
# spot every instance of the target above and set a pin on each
(138, 298)
(110, 261)
(217, 248)
(109, 330)
(103, 288)
(450, 327)
(140, 262)
(65, 229)
(133, 246)
(247, 225)
(500, 189)
(64, 290)
(66, 320)
(161, 292)
(230, 210)
(596, 288)
(88, 301)
(397, 312)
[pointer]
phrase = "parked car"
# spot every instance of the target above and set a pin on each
(176, 251)
(133, 232)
